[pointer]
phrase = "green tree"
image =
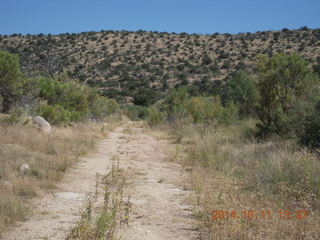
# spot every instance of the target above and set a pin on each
(284, 81)
(310, 134)
(10, 80)
(241, 90)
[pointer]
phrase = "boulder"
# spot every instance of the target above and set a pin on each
(42, 124)
(128, 100)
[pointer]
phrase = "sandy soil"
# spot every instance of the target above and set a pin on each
(159, 201)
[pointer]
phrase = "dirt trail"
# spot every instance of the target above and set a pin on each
(159, 208)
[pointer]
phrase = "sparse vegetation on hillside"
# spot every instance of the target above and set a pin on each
(144, 65)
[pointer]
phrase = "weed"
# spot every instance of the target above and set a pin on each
(102, 222)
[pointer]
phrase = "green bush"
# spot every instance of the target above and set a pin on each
(204, 109)
(55, 114)
(101, 107)
(11, 84)
(229, 114)
(179, 105)
(80, 101)
(145, 97)
(136, 112)
(70, 95)
(310, 134)
(174, 104)
(241, 90)
(154, 116)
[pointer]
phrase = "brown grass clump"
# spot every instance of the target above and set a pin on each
(48, 158)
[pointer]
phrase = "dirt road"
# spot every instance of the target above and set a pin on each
(159, 203)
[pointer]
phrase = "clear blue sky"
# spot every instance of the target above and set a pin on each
(192, 16)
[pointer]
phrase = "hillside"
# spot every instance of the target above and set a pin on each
(144, 65)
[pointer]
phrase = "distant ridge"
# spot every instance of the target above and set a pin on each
(124, 63)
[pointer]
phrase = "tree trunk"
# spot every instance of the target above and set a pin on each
(6, 104)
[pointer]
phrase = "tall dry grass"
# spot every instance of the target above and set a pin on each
(48, 157)
(232, 171)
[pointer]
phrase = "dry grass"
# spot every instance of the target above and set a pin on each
(231, 171)
(215, 191)
(48, 157)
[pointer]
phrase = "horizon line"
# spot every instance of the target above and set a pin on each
(302, 28)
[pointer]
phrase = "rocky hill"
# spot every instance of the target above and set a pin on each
(144, 65)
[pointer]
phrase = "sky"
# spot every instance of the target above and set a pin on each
(191, 16)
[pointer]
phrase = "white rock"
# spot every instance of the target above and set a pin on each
(42, 124)
(25, 168)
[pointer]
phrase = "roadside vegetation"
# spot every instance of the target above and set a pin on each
(47, 157)
(104, 222)
(32, 161)
(58, 99)
(254, 146)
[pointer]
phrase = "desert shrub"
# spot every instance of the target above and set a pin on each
(101, 107)
(204, 109)
(179, 105)
(310, 134)
(80, 101)
(154, 116)
(70, 95)
(316, 68)
(136, 112)
(145, 96)
(56, 115)
(229, 114)
(206, 60)
(174, 103)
